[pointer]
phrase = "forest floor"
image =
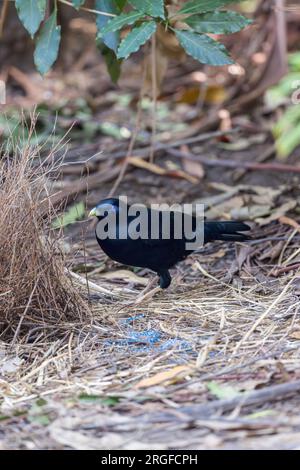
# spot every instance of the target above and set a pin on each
(210, 363)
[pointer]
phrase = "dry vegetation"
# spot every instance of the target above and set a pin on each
(35, 292)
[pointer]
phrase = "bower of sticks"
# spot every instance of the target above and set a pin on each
(212, 362)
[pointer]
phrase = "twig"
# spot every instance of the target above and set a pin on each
(286, 269)
(269, 152)
(144, 152)
(3, 15)
(89, 284)
(24, 314)
(234, 164)
(154, 96)
(90, 10)
(257, 397)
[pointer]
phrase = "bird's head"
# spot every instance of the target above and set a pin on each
(105, 207)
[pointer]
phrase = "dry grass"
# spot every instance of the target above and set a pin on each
(199, 327)
(35, 293)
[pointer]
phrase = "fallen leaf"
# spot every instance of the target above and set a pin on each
(217, 199)
(10, 366)
(221, 391)
(273, 252)
(191, 167)
(158, 170)
(250, 212)
(261, 414)
(74, 213)
(169, 375)
(224, 209)
(279, 212)
(288, 221)
(295, 335)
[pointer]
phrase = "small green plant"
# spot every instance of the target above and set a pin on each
(197, 19)
(287, 129)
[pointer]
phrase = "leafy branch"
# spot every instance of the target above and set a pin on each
(191, 25)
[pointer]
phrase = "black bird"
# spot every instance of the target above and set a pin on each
(158, 254)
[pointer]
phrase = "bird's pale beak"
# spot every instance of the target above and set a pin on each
(93, 212)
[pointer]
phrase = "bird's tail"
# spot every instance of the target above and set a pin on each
(227, 231)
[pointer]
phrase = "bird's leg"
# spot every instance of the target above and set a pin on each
(164, 278)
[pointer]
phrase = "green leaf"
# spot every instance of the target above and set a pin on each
(203, 48)
(111, 129)
(218, 22)
(288, 120)
(77, 3)
(154, 8)
(136, 38)
(121, 4)
(106, 401)
(41, 419)
(31, 14)
(113, 64)
(287, 131)
(112, 39)
(202, 6)
(47, 45)
(122, 20)
(261, 414)
(294, 61)
(70, 216)
(41, 402)
(4, 417)
(279, 93)
(222, 391)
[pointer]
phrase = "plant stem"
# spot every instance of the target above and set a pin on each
(90, 10)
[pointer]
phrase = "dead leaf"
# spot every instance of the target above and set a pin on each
(168, 44)
(243, 254)
(214, 94)
(273, 252)
(224, 209)
(288, 221)
(170, 375)
(192, 167)
(295, 335)
(158, 170)
(217, 199)
(279, 212)
(11, 365)
(250, 212)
